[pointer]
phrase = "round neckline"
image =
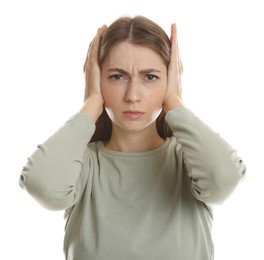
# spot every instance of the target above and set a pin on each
(104, 150)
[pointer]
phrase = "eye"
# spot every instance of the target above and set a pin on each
(116, 76)
(151, 77)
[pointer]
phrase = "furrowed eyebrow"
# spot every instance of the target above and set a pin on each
(121, 71)
(149, 70)
(144, 71)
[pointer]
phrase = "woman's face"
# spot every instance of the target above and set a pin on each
(133, 85)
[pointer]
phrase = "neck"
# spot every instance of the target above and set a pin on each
(140, 141)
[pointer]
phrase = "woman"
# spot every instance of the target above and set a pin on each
(135, 170)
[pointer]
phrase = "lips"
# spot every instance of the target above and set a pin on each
(133, 114)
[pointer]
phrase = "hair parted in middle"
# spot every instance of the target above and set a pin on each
(138, 30)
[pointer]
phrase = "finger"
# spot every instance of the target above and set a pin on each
(94, 46)
(101, 30)
(96, 41)
(173, 37)
(87, 57)
(175, 54)
(173, 40)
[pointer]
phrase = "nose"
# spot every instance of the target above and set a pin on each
(133, 91)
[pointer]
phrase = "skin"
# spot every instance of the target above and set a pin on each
(133, 89)
(133, 85)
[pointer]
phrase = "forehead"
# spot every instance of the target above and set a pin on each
(128, 54)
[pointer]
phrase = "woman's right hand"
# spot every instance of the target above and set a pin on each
(93, 100)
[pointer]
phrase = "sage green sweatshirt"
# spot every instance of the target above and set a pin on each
(153, 205)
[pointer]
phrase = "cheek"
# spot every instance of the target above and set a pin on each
(110, 96)
(155, 103)
(105, 91)
(159, 95)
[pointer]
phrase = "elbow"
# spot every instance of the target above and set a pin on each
(228, 178)
(222, 184)
(53, 198)
(48, 196)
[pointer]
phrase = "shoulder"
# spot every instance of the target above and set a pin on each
(173, 150)
(93, 148)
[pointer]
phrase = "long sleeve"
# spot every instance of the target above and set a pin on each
(53, 174)
(212, 164)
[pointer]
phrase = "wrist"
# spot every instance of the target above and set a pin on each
(93, 107)
(172, 103)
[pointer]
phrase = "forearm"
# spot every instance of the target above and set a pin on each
(213, 165)
(53, 172)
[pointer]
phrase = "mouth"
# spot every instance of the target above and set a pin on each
(133, 114)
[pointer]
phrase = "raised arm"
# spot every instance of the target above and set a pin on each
(53, 174)
(213, 165)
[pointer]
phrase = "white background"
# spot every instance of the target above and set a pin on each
(43, 45)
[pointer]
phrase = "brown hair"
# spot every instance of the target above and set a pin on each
(141, 31)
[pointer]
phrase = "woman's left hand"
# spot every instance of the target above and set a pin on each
(173, 96)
